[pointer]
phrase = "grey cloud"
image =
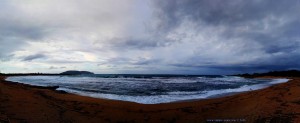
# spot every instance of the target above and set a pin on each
(67, 62)
(34, 57)
(146, 62)
(6, 57)
(53, 67)
(138, 43)
(131, 61)
(15, 39)
(16, 31)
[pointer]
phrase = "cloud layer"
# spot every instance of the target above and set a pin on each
(153, 36)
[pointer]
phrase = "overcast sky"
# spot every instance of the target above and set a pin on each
(149, 36)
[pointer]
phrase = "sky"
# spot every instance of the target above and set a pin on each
(149, 36)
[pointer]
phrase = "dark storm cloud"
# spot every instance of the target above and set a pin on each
(272, 25)
(34, 57)
(281, 62)
(230, 12)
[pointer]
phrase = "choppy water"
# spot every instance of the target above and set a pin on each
(149, 89)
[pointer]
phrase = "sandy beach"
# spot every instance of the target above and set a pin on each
(24, 103)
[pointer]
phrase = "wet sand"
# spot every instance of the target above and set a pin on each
(24, 103)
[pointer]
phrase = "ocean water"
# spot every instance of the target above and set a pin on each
(149, 89)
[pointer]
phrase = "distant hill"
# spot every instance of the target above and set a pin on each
(288, 73)
(74, 72)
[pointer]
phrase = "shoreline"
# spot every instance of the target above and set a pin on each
(278, 102)
(213, 96)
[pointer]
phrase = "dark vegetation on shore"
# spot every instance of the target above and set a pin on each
(288, 73)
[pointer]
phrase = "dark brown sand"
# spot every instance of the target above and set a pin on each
(23, 103)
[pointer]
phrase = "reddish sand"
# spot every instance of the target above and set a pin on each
(23, 103)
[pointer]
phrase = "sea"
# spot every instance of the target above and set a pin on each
(149, 89)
